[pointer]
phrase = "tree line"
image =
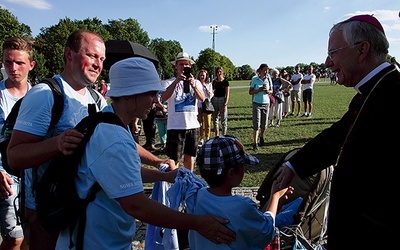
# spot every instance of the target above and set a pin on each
(49, 47)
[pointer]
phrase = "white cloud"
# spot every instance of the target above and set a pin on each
(36, 4)
(388, 18)
(381, 15)
(208, 28)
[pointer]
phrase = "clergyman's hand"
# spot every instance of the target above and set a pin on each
(285, 177)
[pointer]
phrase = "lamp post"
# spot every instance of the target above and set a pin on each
(214, 31)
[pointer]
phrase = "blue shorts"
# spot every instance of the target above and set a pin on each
(8, 218)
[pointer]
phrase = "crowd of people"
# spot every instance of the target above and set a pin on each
(113, 159)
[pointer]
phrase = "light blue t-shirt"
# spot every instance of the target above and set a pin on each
(256, 83)
(35, 115)
(7, 101)
(254, 229)
(112, 160)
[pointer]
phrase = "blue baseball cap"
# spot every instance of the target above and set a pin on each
(223, 151)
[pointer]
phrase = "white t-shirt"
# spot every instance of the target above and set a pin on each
(310, 85)
(182, 107)
(294, 78)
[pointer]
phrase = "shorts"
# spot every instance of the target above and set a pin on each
(260, 115)
(180, 142)
(8, 215)
(35, 235)
(307, 95)
(295, 96)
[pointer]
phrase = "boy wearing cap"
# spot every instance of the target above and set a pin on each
(364, 159)
(183, 127)
(221, 162)
(111, 159)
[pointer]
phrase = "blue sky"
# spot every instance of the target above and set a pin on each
(279, 33)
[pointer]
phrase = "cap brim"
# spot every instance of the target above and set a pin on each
(250, 159)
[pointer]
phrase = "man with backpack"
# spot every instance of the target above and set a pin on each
(111, 159)
(35, 141)
(32, 142)
(17, 60)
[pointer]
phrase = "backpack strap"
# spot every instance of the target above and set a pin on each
(58, 106)
(56, 113)
(95, 96)
(87, 126)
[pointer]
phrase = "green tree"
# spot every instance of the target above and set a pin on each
(205, 61)
(10, 26)
(209, 60)
(229, 69)
(245, 72)
(128, 29)
(51, 41)
(165, 51)
(40, 70)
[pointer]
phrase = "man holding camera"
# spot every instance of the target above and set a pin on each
(182, 93)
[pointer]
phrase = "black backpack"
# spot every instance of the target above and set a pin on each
(57, 202)
(9, 123)
(56, 113)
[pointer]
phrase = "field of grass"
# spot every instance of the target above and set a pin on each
(330, 102)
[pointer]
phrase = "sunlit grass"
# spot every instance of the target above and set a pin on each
(330, 103)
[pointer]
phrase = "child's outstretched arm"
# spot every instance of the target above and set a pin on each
(276, 194)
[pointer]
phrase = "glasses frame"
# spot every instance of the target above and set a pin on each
(333, 51)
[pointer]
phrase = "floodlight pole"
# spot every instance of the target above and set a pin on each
(214, 31)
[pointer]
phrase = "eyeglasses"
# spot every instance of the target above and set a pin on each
(333, 51)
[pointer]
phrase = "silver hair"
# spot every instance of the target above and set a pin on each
(358, 31)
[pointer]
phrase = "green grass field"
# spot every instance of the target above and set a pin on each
(330, 102)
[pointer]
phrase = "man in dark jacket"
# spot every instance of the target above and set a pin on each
(360, 144)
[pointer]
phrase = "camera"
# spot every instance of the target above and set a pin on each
(186, 72)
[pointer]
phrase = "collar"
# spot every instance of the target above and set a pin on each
(370, 75)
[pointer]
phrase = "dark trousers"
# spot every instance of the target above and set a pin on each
(149, 128)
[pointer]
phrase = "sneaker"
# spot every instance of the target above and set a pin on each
(291, 114)
(309, 116)
(261, 141)
(201, 142)
(255, 146)
(150, 147)
(277, 125)
(304, 115)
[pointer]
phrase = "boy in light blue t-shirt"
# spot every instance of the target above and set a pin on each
(221, 162)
